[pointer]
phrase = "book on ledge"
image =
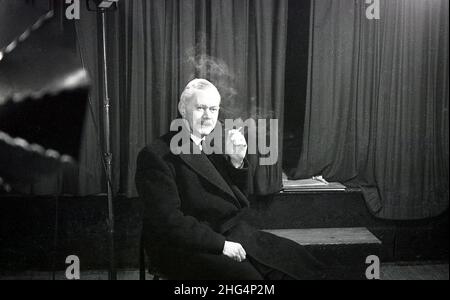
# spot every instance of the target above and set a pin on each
(314, 184)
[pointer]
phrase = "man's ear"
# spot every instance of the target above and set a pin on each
(182, 109)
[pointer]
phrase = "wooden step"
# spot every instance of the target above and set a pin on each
(342, 250)
(312, 210)
(328, 236)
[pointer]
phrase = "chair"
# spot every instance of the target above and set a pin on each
(144, 261)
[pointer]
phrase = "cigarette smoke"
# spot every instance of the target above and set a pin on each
(217, 71)
(235, 104)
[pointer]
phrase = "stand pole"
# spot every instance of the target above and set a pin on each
(108, 154)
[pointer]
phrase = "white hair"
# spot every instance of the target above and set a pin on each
(193, 87)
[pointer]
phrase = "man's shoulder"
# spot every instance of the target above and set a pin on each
(160, 146)
(156, 155)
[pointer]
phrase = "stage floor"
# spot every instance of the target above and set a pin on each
(391, 271)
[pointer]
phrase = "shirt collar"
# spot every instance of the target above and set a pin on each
(198, 141)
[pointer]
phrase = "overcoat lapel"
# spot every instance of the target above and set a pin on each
(201, 164)
(205, 168)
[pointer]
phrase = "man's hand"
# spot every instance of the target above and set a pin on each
(236, 147)
(234, 251)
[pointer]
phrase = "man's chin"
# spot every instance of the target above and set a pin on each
(205, 131)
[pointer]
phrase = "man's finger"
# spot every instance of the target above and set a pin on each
(236, 135)
(241, 254)
(240, 146)
(232, 133)
(240, 142)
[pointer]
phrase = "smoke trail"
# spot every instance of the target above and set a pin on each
(235, 104)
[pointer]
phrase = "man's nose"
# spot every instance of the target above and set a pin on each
(207, 114)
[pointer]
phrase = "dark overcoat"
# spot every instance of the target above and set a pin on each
(193, 203)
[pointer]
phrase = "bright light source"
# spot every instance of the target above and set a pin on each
(75, 79)
(107, 3)
(101, 5)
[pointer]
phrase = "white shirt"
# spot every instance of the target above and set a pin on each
(198, 141)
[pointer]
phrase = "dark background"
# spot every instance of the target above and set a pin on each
(296, 80)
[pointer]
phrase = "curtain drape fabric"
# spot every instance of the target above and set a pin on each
(156, 47)
(377, 104)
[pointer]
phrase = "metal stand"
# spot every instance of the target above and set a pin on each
(108, 154)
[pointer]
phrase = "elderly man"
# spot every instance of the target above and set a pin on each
(194, 218)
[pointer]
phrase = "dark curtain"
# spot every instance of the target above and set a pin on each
(377, 105)
(156, 47)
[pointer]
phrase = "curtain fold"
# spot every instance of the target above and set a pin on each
(154, 49)
(377, 105)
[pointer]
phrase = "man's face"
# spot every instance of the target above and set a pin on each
(202, 112)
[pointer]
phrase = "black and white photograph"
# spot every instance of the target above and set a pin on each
(219, 147)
